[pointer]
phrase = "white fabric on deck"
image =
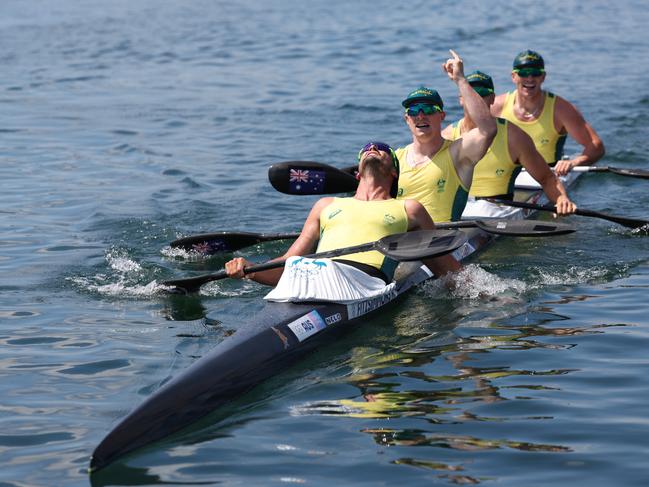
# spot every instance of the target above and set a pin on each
(306, 279)
(477, 209)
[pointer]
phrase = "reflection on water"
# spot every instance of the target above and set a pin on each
(388, 437)
(129, 124)
(183, 308)
(406, 385)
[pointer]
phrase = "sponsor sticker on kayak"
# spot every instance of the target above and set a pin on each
(464, 251)
(307, 325)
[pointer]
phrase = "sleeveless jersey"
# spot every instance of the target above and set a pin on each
(348, 221)
(434, 184)
(495, 173)
(547, 140)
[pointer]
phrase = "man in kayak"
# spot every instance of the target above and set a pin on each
(435, 171)
(372, 213)
(546, 117)
(511, 150)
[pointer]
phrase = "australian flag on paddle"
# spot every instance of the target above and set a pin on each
(306, 181)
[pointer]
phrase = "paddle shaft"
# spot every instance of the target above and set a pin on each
(405, 246)
(621, 171)
(211, 243)
(624, 221)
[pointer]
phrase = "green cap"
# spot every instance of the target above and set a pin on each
(423, 95)
(529, 59)
(481, 83)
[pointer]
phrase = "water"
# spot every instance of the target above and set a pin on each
(128, 124)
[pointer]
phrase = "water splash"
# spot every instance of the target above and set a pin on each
(472, 282)
(178, 253)
(119, 261)
(120, 288)
(572, 275)
(124, 278)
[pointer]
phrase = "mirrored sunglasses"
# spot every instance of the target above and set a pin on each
(378, 146)
(426, 108)
(527, 72)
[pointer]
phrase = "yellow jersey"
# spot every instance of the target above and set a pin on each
(547, 140)
(495, 174)
(349, 221)
(434, 184)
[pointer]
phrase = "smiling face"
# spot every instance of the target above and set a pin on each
(527, 84)
(423, 125)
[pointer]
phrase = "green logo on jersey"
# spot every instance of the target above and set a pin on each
(499, 172)
(389, 219)
(441, 185)
(334, 213)
(545, 141)
(400, 192)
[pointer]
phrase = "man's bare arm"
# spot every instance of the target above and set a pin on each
(305, 244)
(419, 219)
(473, 145)
(567, 118)
(522, 150)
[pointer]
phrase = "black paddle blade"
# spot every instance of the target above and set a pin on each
(524, 228)
(634, 173)
(192, 284)
(213, 243)
(306, 177)
(421, 244)
(620, 220)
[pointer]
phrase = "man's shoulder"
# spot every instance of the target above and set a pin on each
(399, 151)
(324, 202)
(498, 104)
(563, 108)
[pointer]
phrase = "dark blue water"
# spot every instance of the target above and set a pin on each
(127, 124)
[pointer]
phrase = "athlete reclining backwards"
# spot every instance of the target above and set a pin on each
(333, 223)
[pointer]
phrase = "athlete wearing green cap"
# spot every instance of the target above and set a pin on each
(546, 117)
(438, 172)
(511, 150)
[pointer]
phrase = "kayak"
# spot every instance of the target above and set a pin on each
(276, 337)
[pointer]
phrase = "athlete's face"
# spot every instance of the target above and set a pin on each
(376, 160)
(527, 84)
(422, 125)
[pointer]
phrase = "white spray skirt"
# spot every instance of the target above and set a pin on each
(306, 279)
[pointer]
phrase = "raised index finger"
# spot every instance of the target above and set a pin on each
(454, 54)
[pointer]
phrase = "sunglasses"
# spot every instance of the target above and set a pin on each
(527, 72)
(378, 146)
(383, 147)
(426, 108)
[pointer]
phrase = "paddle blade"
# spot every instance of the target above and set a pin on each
(633, 173)
(305, 177)
(213, 243)
(524, 228)
(420, 244)
(192, 284)
(620, 220)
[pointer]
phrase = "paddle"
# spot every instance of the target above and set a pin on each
(401, 247)
(307, 177)
(211, 243)
(634, 173)
(513, 228)
(621, 220)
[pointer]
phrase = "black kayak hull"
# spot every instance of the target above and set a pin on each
(279, 335)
